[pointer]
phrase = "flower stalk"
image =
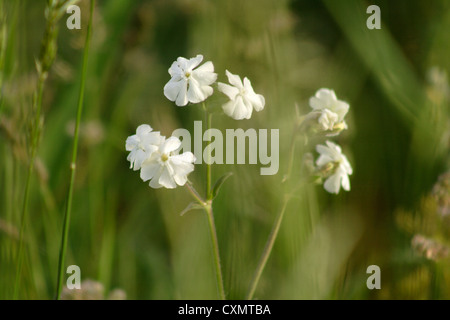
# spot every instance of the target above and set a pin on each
(207, 207)
(213, 234)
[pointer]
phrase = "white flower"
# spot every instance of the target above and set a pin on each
(189, 84)
(242, 97)
(333, 110)
(331, 155)
(165, 167)
(141, 145)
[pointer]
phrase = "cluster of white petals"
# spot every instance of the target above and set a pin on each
(189, 83)
(331, 108)
(142, 145)
(331, 156)
(192, 83)
(158, 158)
(243, 98)
(165, 167)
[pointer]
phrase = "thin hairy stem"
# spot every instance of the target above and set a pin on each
(195, 194)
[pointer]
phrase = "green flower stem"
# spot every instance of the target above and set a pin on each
(210, 214)
(207, 206)
(213, 234)
(62, 254)
(267, 249)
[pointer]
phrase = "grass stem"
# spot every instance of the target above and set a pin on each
(65, 233)
(37, 102)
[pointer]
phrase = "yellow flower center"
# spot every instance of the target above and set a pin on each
(164, 157)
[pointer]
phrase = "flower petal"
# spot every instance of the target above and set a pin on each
(180, 179)
(326, 95)
(172, 89)
(317, 104)
(229, 91)
(234, 79)
(143, 129)
(341, 108)
(333, 183)
(182, 164)
(149, 170)
(182, 64)
(131, 142)
(345, 182)
(170, 145)
(154, 183)
(182, 99)
(346, 165)
(228, 108)
(323, 160)
(195, 93)
(334, 147)
(205, 74)
(324, 150)
(207, 91)
(248, 107)
(240, 111)
(257, 101)
(151, 140)
(193, 62)
(175, 69)
(166, 179)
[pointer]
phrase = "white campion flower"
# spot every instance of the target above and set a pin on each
(242, 97)
(332, 160)
(142, 145)
(333, 110)
(189, 83)
(165, 167)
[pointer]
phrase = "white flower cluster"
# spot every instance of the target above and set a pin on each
(192, 83)
(158, 158)
(329, 113)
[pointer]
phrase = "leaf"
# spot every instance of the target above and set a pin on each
(191, 206)
(218, 184)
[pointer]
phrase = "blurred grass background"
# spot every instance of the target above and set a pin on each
(126, 235)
